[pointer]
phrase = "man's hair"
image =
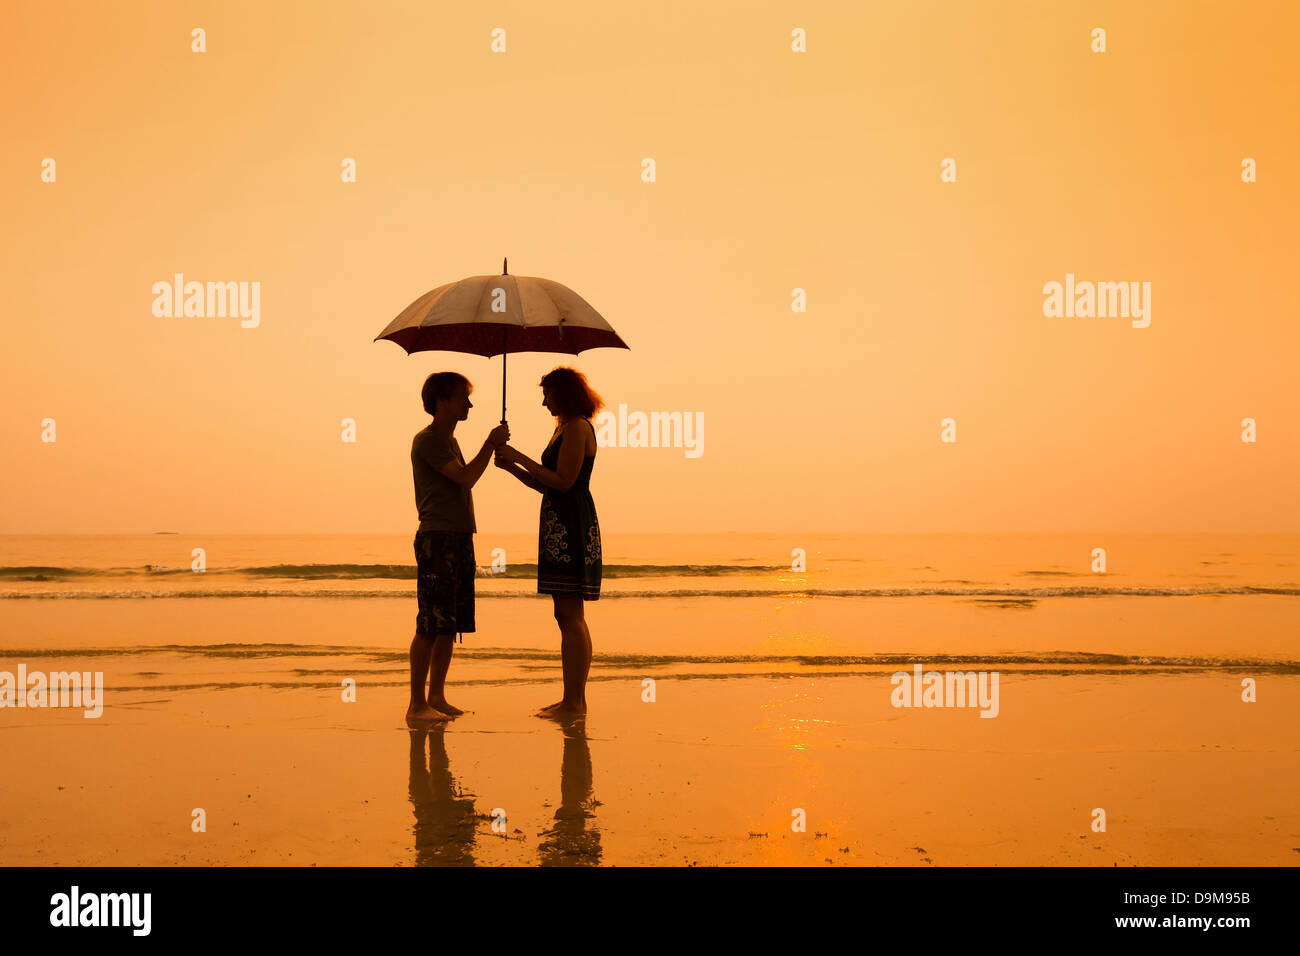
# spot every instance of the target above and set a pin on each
(572, 393)
(442, 385)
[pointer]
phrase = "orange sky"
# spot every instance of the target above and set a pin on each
(775, 170)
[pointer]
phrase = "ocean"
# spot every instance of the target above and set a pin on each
(1022, 569)
(693, 605)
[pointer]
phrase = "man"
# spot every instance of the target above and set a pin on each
(444, 543)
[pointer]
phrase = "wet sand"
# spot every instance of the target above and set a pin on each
(708, 774)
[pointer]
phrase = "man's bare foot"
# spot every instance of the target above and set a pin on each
(550, 707)
(563, 711)
(443, 707)
(425, 715)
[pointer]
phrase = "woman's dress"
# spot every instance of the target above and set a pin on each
(568, 543)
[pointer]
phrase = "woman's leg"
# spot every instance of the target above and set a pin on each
(577, 656)
(575, 653)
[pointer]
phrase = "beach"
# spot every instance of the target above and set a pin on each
(772, 737)
(940, 485)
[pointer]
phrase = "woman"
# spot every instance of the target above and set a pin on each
(568, 544)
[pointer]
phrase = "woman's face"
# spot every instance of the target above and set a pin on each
(548, 401)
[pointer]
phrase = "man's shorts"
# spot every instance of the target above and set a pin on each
(444, 562)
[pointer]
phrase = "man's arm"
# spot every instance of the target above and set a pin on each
(467, 476)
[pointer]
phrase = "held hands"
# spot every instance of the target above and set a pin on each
(499, 435)
(506, 456)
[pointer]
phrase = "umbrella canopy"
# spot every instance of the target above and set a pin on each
(496, 315)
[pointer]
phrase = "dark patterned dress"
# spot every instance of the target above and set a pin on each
(568, 543)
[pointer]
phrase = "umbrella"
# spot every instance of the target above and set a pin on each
(496, 315)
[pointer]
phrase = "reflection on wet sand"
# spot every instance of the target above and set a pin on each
(571, 841)
(444, 819)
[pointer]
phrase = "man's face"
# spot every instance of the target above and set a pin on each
(458, 405)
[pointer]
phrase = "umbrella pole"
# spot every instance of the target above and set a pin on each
(503, 374)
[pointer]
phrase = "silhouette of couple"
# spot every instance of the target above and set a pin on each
(568, 542)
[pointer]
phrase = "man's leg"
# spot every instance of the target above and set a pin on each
(421, 651)
(422, 646)
(456, 614)
(442, 646)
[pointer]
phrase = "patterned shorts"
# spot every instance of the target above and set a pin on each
(444, 562)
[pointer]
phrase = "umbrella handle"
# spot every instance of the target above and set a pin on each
(503, 374)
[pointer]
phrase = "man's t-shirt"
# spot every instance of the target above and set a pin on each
(443, 504)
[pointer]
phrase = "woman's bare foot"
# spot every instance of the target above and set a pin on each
(550, 707)
(424, 715)
(563, 711)
(443, 707)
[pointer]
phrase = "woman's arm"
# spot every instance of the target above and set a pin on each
(522, 475)
(572, 446)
